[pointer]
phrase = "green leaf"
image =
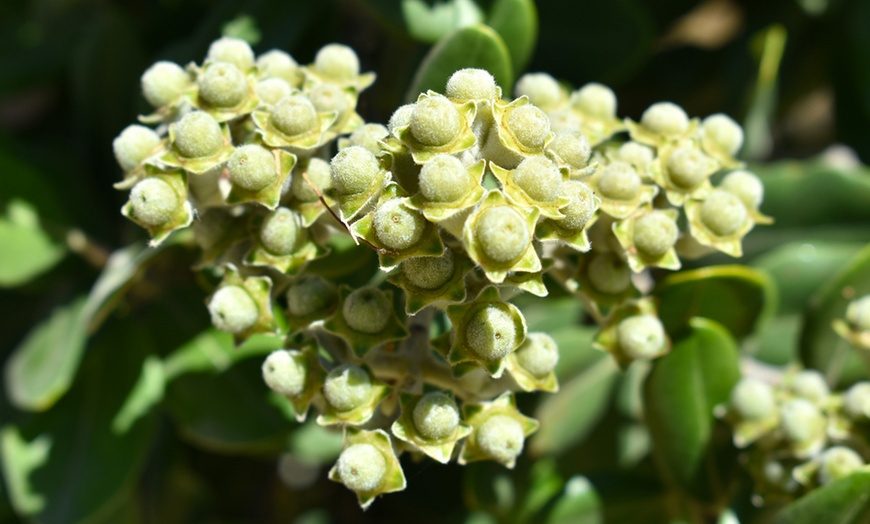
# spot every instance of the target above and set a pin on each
(28, 251)
(679, 396)
(477, 46)
(820, 346)
(770, 46)
(579, 504)
(544, 484)
(738, 297)
(213, 350)
(431, 23)
(845, 501)
(517, 23)
(568, 417)
(317, 443)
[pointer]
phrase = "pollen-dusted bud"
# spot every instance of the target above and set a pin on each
(337, 62)
(164, 82)
(501, 234)
(354, 170)
(294, 115)
(271, 90)
(746, 186)
(318, 173)
(347, 387)
(811, 385)
(636, 154)
(722, 132)
(641, 336)
(529, 125)
(278, 64)
(252, 167)
(133, 145)
(396, 225)
(444, 179)
(538, 354)
(608, 274)
(429, 272)
(541, 89)
(501, 438)
(329, 98)
(362, 468)
(285, 373)
(858, 313)
(233, 51)
(619, 181)
(665, 118)
(723, 213)
(369, 137)
(573, 148)
(581, 208)
(310, 294)
(401, 117)
(654, 234)
(367, 310)
(153, 202)
(837, 462)
(436, 415)
(687, 167)
(539, 178)
(233, 309)
(198, 135)
(435, 121)
(490, 333)
(856, 402)
(222, 85)
(471, 84)
(280, 231)
(801, 421)
(753, 399)
(595, 100)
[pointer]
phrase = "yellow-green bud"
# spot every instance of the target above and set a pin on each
(401, 117)
(856, 401)
(396, 225)
(641, 336)
(608, 274)
(724, 132)
(723, 213)
(367, 310)
(541, 89)
(435, 121)
(539, 178)
(337, 62)
(272, 90)
(471, 84)
(222, 85)
(811, 385)
(310, 294)
(595, 100)
(572, 147)
(665, 118)
(687, 167)
(429, 272)
(153, 202)
(354, 170)
(752, 399)
(501, 234)
(801, 421)
(837, 462)
(369, 137)
(619, 181)
(133, 145)
(252, 167)
(233, 51)
(435, 416)
(501, 438)
(233, 309)
(328, 98)
(636, 154)
(318, 173)
(746, 186)
(284, 374)
(529, 125)
(362, 468)
(278, 64)
(654, 234)
(294, 115)
(444, 179)
(580, 209)
(538, 354)
(163, 83)
(490, 333)
(347, 387)
(279, 231)
(198, 135)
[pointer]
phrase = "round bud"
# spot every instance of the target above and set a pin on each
(502, 234)
(641, 336)
(580, 209)
(163, 83)
(233, 309)
(564, 121)
(271, 90)
(608, 274)
(436, 416)
(367, 310)
(444, 179)
(318, 173)
(837, 462)
(310, 294)
(752, 399)
(471, 84)
(542, 90)
(811, 385)
(279, 231)
(538, 354)
(233, 51)
(687, 167)
(746, 186)
(501, 438)
(856, 401)
(362, 468)
(347, 387)
(329, 98)
(294, 115)
(397, 226)
(800, 421)
(369, 137)
(595, 100)
(153, 202)
(572, 148)
(490, 333)
(619, 181)
(401, 117)
(198, 135)
(529, 125)
(636, 154)
(222, 85)
(354, 170)
(337, 62)
(723, 213)
(539, 178)
(654, 234)
(284, 374)
(252, 167)
(858, 313)
(429, 272)
(435, 121)
(133, 145)
(723, 132)
(278, 64)
(665, 118)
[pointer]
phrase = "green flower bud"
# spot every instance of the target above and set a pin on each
(163, 83)
(723, 132)
(502, 234)
(133, 145)
(572, 148)
(811, 385)
(641, 336)
(435, 121)
(401, 117)
(198, 135)
(595, 100)
(801, 421)
(753, 399)
(491, 333)
(723, 213)
(539, 178)
(541, 89)
(233, 309)
(746, 186)
(278, 64)
(153, 202)
(362, 468)
(654, 234)
(436, 416)
(347, 387)
(354, 170)
(337, 62)
(318, 173)
(856, 401)
(222, 85)
(444, 179)
(581, 208)
(538, 354)
(636, 154)
(367, 310)
(233, 51)
(471, 84)
(837, 462)
(429, 272)
(284, 374)
(328, 98)
(608, 274)
(294, 115)
(252, 167)
(619, 181)
(310, 294)
(272, 90)
(687, 167)
(665, 118)
(279, 231)
(397, 226)
(529, 125)
(501, 438)
(858, 313)
(565, 121)
(369, 137)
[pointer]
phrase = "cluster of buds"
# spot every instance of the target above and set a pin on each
(855, 328)
(798, 435)
(467, 199)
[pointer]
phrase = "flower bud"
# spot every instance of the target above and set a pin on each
(541, 89)
(636, 154)
(641, 336)
(502, 234)
(687, 167)
(595, 100)
(539, 178)
(329, 98)
(723, 132)
(354, 170)
(801, 421)
(858, 313)
(444, 179)
(133, 145)
(271, 90)
(153, 202)
(401, 117)
(367, 310)
(811, 385)
(163, 83)
(619, 181)
(581, 208)
(501, 438)
(337, 62)
(752, 399)
(654, 234)
(665, 118)
(198, 135)
(233, 51)
(284, 374)
(280, 231)
(252, 167)
(318, 173)
(369, 137)
(310, 294)
(538, 354)
(436, 416)
(723, 213)
(471, 84)
(491, 333)
(435, 121)
(347, 387)
(856, 402)
(222, 85)
(572, 148)
(397, 226)
(746, 186)
(837, 462)
(294, 115)
(429, 272)
(529, 125)
(233, 309)
(278, 64)
(608, 274)
(362, 468)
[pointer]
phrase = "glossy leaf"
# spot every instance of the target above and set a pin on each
(845, 501)
(579, 504)
(430, 23)
(679, 396)
(28, 250)
(517, 23)
(738, 297)
(477, 46)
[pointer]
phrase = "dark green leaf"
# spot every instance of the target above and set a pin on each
(477, 46)
(517, 23)
(778, 341)
(845, 501)
(544, 484)
(430, 23)
(213, 351)
(28, 250)
(579, 504)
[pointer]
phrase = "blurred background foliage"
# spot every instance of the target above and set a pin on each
(120, 406)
